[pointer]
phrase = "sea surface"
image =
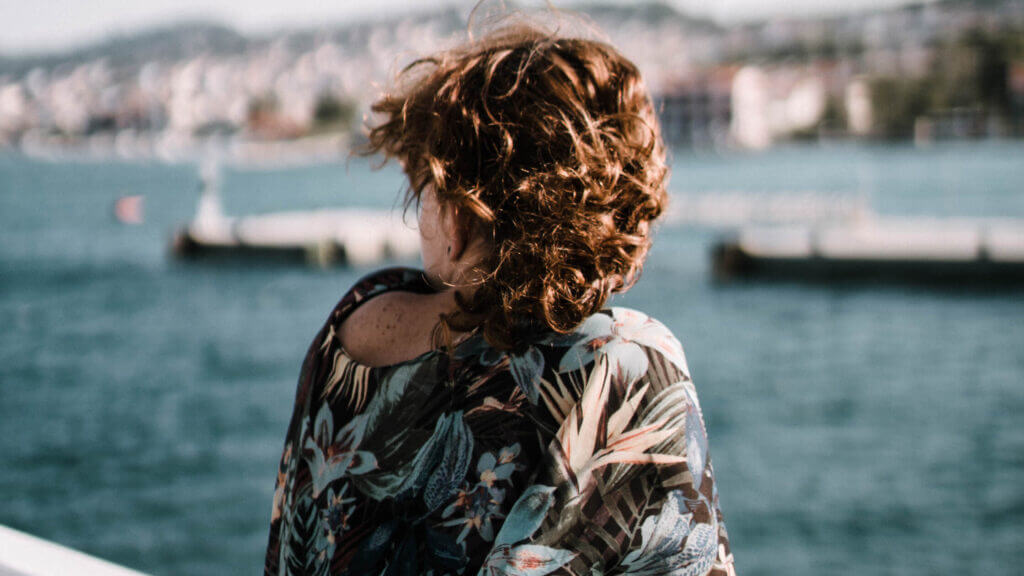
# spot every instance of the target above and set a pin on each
(854, 428)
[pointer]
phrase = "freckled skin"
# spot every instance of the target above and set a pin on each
(398, 326)
(393, 327)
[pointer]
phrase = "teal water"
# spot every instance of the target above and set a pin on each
(143, 401)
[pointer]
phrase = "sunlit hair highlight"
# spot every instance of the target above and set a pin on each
(551, 144)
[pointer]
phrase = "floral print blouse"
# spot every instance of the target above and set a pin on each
(584, 454)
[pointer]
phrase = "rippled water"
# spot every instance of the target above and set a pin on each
(143, 401)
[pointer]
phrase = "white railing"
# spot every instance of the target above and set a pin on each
(25, 555)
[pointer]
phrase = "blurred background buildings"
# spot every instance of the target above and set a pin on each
(952, 69)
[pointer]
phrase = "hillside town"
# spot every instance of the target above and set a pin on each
(924, 72)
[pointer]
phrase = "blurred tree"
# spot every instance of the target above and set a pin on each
(896, 103)
(969, 73)
(333, 113)
(992, 69)
(834, 117)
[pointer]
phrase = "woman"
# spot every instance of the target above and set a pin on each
(487, 415)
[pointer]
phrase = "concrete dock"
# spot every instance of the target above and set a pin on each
(928, 250)
(322, 238)
(319, 238)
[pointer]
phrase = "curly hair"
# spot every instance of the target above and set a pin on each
(551, 144)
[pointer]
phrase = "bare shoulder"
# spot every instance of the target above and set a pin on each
(389, 328)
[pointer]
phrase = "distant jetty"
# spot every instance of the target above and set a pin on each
(321, 238)
(881, 250)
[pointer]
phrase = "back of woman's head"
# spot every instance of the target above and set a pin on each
(552, 146)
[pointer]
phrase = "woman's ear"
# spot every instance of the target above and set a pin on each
(457, 229)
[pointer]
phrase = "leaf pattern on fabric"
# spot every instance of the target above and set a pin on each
(523, 520)
(585, 453)
(623, 334)
(675, 409)
(526, 515)
(300, 554)
(673, 543)
(439, 467)
(589, 439)
(527, 369)
(442, 463)
(334, 456)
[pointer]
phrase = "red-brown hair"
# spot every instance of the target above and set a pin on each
(552, 145)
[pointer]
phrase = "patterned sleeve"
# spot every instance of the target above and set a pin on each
(627, 485)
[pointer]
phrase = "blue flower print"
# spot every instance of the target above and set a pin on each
(493, 469)
(481, 504)
(480, 507)
(334, 520)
